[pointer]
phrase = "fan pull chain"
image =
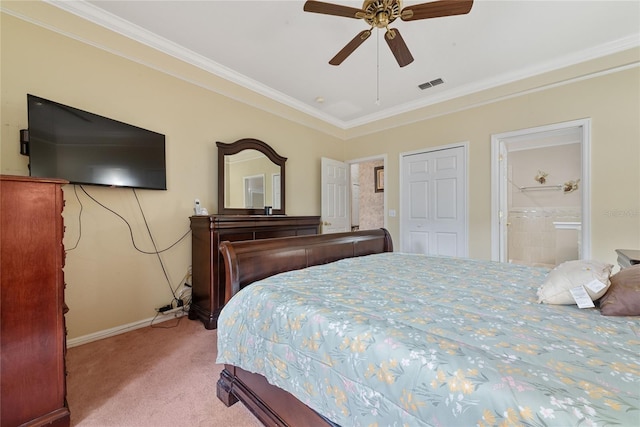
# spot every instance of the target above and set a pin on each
(378, 67)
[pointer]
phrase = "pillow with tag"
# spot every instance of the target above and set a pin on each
(591, 274)
(623, 296)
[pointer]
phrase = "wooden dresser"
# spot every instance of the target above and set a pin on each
(32, 334)
(207, 232)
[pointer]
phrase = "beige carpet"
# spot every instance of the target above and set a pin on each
(158, 376)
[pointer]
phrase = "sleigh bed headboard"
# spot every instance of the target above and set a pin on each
(248, 261)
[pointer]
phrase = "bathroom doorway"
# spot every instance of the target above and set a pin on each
(540, 192)
(367, 193)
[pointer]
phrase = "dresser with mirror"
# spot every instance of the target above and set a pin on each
(251, 206)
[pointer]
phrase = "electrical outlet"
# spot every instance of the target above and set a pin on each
(164, 308)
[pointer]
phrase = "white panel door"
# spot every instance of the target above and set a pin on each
(433, 202)
(275, 190)
(336, 217)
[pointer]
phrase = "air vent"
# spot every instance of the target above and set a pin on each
(432, 83)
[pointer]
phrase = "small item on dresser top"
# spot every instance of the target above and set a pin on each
(268, 210)
(197, 209)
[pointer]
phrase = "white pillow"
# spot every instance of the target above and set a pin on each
(570, 274)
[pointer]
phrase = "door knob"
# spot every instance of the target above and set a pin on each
(326, 223)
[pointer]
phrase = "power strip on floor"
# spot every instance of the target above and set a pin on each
(173, 310)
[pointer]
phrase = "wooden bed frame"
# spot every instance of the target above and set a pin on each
(248, 261)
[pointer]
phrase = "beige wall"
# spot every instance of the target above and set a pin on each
(110, 284)
(612, 101)
(562, 163)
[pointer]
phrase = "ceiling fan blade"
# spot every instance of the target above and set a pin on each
(398, 47)
(436, 9)
(333, 9)
(350, 47)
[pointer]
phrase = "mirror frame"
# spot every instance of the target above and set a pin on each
(234, 148)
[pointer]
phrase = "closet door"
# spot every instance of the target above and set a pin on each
(433, 202)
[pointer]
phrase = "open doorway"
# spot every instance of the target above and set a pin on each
(352, 193)
(540, 191)
(367, 195)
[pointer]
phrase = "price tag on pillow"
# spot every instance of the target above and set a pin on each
(595, 286)
(581, 297)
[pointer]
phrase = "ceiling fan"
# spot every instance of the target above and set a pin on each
(380, 14)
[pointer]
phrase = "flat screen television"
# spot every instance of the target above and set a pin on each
(85, 148)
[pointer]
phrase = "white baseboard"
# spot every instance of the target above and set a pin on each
(85, 339)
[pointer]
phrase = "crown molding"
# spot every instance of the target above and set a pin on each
(125, 28)
(134, 32)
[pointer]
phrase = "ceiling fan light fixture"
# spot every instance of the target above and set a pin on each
(380, 14)
(390, 34)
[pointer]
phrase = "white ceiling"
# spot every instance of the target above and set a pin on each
(278, 50)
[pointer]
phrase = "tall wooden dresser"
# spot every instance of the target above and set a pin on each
(208, 231)
(32, 334)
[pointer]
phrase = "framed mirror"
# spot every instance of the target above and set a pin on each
(250, 177)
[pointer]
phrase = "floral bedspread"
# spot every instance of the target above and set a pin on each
(410, 340)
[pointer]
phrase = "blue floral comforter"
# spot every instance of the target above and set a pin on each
(409, 340)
